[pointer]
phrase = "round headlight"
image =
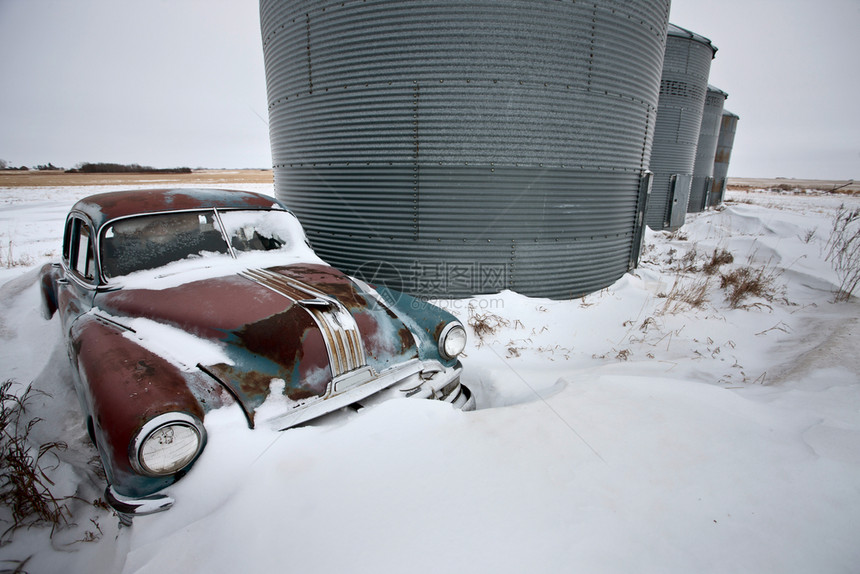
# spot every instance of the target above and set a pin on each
(168, 443)
(452, 341)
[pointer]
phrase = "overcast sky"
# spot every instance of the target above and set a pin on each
(174, 83)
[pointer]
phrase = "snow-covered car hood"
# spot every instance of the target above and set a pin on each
(293, 329)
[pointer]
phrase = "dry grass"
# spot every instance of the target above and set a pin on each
(808, 235)
(745, 282)
(688, 261)
(485, 324)
(25, 488)
(781, 184)
(843, 251)
(202, 176)
(685, 294)
(678, 235)
(690, 289)
(17, 564)
(718, 258)
(9, 260)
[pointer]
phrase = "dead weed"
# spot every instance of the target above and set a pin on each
(718, 258)
(25, 488)
(685, 294)
(485, 324)
(843, 251)
(745, 282)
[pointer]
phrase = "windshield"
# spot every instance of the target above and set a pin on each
(152, 241)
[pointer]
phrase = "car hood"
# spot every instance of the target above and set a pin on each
(288, 334)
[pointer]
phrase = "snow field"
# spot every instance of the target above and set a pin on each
(624, 431)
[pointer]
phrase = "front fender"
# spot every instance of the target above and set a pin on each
(427, 321)
(49, 274)
(125, 386)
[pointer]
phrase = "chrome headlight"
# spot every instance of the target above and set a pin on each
(167, 444)
(452, 340)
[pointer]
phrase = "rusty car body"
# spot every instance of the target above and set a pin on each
(177, 302)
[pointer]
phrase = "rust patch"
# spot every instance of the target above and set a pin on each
(439, 328)
(143, 369)
(252, 387)
(253, 383)
(407, 341)
(328, 280)
(207, 308)
(103, 207)
(125, 384)
(723, 155)
(277, 337)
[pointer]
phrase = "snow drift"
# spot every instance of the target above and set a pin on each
(655, 426)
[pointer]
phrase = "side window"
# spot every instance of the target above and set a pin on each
(67, 240)
(85, 263)
(78, 248)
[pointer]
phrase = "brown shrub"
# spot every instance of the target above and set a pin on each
(718, 258)
(745, 282)
(25, 488)
(485, 324)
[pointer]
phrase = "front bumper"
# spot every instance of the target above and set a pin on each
(413, 379)
(428, 379)
(440, 384)
(127, 507)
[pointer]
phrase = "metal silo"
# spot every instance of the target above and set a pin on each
(728, 126)
(683, 86)
(450, 148)
(706, 149)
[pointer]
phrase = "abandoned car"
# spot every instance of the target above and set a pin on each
(177, 302)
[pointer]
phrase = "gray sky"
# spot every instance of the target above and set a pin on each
(181, 82)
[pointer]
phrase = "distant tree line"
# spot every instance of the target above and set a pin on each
(124, 168)
(4, 166)
(97, 168)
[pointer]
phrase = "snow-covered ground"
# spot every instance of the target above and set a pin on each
(626, 431)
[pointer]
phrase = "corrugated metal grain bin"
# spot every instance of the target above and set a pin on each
(449, 148)
(683, 87)
(706, 149)
(728, 127)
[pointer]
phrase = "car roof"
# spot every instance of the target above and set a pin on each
(104, 207)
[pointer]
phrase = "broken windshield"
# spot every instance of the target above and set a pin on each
(261, 230)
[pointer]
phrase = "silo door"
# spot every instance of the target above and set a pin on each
(718, 189)
(680, 194)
